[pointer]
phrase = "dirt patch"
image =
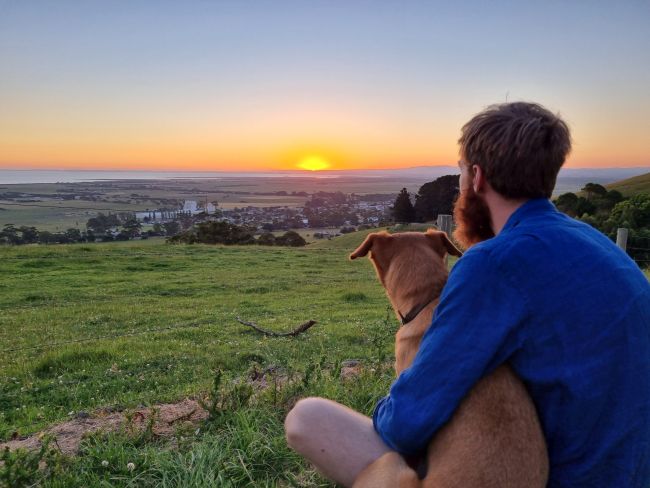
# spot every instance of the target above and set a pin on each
(166, 420)
(271, 376)
(350, 369)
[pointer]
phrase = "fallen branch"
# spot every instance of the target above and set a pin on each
(298, 330)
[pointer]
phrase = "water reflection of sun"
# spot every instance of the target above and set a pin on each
(313, 163)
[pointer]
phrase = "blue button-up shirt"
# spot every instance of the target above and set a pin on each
(570, 312)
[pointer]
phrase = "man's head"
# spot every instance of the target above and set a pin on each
(518, 149)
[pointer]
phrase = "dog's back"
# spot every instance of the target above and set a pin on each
(494, 438)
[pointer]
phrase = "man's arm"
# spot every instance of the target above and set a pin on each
(474, 330)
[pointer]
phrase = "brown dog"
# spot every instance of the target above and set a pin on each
(494, 438)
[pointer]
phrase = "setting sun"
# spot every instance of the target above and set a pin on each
(313, 163)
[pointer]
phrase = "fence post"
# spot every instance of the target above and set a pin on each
(621, 238)
(444, 223)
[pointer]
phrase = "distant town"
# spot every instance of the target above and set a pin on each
(322, 209)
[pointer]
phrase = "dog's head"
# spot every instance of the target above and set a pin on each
(408, 255)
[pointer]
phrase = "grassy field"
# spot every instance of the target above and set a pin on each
(122, 325)
(632, 186)
(99, 294)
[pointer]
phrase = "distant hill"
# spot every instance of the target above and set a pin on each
(632, 186)
(569, 179)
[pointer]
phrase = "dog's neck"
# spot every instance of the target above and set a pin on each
(408, 338)
(408, 292)
(408, 286)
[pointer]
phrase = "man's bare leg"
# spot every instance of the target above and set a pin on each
(337, 440)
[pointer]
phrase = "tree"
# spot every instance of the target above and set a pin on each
(9, 235)
(72, 235)
(171, 228)
(29, 234)
(614, 196)
(131, 227)
(594, 189)
(223, 233)
(633, 214)
(266, 239)
(436, 197)
(403, 210)
(290, 238)
(102, 223)
(567, 203)
(573, 205)
(584, 206)
(45, 237)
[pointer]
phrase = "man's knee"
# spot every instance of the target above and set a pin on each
(300, 420)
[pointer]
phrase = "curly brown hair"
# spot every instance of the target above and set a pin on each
(519, 146)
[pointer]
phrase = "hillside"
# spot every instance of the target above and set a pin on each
(632, 186)
(91, 330)
(349, 242)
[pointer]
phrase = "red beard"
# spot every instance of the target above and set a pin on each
(473, 220)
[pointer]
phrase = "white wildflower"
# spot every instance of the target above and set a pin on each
(130, 466)
(104, 463)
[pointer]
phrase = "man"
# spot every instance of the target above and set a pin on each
(551, 296)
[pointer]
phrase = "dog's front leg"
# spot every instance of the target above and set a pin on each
(389, 471)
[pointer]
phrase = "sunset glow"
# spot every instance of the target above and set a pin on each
(313, 163)
(186, 87)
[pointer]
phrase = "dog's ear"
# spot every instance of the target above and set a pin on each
(441, 243)
(366, 245)
(451, 248)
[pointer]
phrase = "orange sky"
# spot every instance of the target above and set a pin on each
(219, 86)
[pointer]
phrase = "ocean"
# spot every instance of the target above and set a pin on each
(568, 177)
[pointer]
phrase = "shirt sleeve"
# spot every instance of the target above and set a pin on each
(474, 330)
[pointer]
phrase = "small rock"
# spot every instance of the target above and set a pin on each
(83, 415)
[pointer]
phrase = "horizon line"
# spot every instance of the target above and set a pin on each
(297, 170)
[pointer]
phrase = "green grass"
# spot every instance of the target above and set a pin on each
(107, 296)
(101, 294)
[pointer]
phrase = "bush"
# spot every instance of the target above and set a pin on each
(291, 238)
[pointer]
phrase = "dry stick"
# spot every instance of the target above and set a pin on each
(298, 330)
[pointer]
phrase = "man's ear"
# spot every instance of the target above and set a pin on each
(478, 180)
(366, 245)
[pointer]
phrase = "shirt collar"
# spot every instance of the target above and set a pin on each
(532, 207)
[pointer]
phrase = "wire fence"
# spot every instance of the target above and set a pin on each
(638, 248)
